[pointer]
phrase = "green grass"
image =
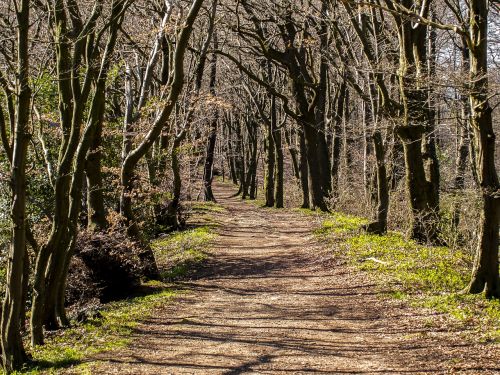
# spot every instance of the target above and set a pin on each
(341, 224)
(180, 253)
(207, 207)
(112, 330)
(425, 276)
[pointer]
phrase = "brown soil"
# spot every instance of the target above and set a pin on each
(267, 304)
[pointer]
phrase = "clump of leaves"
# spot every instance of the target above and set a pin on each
(105, 266)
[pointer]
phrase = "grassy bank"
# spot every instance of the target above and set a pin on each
(424, 276)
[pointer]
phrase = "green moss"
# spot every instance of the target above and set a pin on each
(337, 223)
(112, 330)
(424, 275)
(415, 267)
(207, 207)
(180, 253)
(479, 313)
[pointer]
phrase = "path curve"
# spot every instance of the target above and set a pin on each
(267, 306)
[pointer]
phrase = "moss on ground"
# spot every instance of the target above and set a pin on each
(181, 253)
(425, 276)
(201, 207)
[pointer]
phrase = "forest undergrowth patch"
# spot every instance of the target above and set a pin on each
(111, 328)
(423, 276)
(179, 255)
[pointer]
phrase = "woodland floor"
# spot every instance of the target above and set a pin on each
(267, 302)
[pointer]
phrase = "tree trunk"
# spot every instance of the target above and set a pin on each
(291, 143)
(279, 194)
(485, 274)
(379, 226)
(13, 354)
(97, 221)
(173, 207)
(423, 189)
(133, 157)
(337, 138)
(212, 137)
(304, 172)
(270, 158)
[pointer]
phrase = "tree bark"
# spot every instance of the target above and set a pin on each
(13, 354)
(269, 184)
(485, 274)
(379, 226)
(212, 136)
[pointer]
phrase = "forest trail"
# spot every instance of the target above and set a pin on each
(267, 305)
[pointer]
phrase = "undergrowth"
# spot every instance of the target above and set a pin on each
(425, 276)
(180, 253)
(110, 329)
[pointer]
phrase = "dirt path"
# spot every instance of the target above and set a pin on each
(266, 306)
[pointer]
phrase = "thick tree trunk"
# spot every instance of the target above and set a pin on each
(423, 188)
(485, 275)
(315, 178)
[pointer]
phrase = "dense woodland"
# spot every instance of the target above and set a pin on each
(113, 113)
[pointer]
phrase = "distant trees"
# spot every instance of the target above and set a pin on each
(390, 65)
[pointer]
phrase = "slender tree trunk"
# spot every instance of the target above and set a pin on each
(269, 184)
(279, 194)
(240, 161)
(304, 172)
(212, 137)
(379, 226)
(95, 198)
(173, 206)
(231, 156)
(13, 354)
(464, 146)
(337, 138)
(133, 157)
(290, 136)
